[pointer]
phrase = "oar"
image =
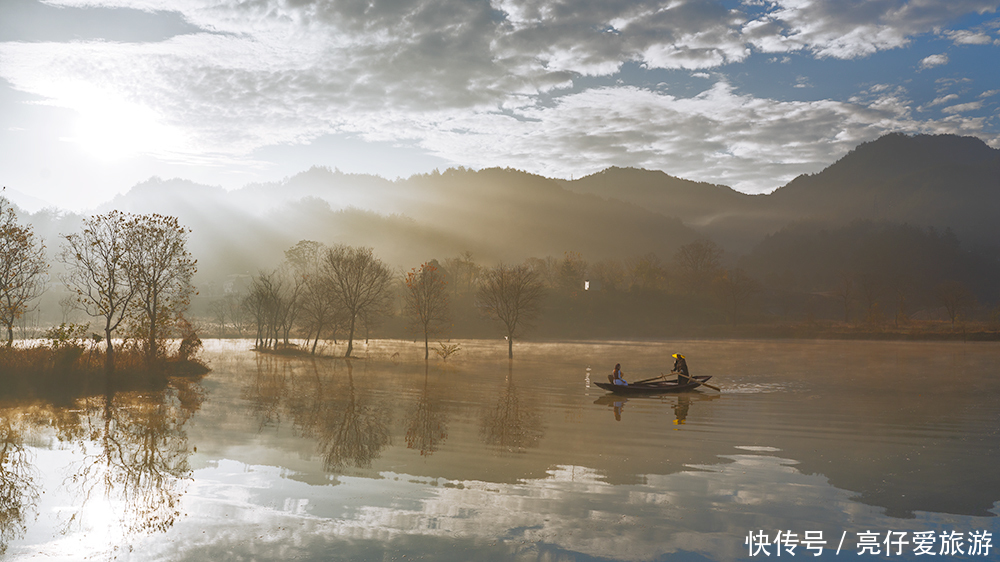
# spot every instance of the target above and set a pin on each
(712, 386)
(647, 380)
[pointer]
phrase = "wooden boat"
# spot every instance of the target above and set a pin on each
(658, 387)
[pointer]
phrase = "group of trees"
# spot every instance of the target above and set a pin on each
(129, 271)
(328, 293)
(320, 291)
(325, 292)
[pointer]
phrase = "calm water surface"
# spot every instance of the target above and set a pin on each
(389, 458)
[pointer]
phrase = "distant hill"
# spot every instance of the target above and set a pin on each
(941, 181)
(503, 214)
(924, 180)
(496, 214)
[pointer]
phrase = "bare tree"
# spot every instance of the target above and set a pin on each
(955, 297)
(22, 268)
(426, 300)
(97, 272)
(360, 282)
(845, 291)
(268, 303)
(161, 268)
(512, 295)
(464, 271)
(318, 309)
(698, 264)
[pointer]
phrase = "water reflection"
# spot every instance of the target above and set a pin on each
(135, 454)
(428, 422)
(349, 424)
(266, 389)
(510, 425)
(679, 403)
(18, 485)
(126, 461)
(352, 428)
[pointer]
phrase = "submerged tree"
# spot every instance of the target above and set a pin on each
(426, 300)
(97, 271)
(161, 268)
(511, 295)
(22, 268)
(360, 283)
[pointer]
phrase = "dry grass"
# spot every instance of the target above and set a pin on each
(61, 374)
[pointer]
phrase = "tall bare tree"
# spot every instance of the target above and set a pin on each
(360, 282)
(22, 268)
(426, 300)
(955, 297)
(97, 272)
(698, 263)
(161, 268)
(511, 295)
(319, 311)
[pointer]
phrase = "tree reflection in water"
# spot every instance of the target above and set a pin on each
(18, 487)
(511, 425)
(428, 426)
(351, 428)
(135, 454)
(354, 431)
(267, 388)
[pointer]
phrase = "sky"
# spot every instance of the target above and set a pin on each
(98, 95)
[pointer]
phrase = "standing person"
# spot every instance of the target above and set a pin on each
(681, 368)
(617, 377)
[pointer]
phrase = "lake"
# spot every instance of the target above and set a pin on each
(813, 449)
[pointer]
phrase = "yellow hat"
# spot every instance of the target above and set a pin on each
(678, 356)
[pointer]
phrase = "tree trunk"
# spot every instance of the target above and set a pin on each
(10, 334)
(427, 352)
(350, 338)
(109, 355)
(510, 347)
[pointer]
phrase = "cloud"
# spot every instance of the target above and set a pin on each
(485, 84)
(942, 99)
(934, 60)
(963, 107)
(855, 28)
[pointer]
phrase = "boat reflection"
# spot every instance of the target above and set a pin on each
(511, 425)
(679, 403)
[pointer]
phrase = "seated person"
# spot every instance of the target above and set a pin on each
(616, 376)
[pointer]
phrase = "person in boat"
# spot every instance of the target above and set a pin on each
(616, 376)
(681, 368)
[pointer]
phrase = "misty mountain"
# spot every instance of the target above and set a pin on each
(941, 181)
(925, 180)
(734, 219)
(496, 214)
(503, 214)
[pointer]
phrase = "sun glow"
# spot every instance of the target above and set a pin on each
(111, 127)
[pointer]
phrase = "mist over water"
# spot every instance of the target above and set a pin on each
(477, 458)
